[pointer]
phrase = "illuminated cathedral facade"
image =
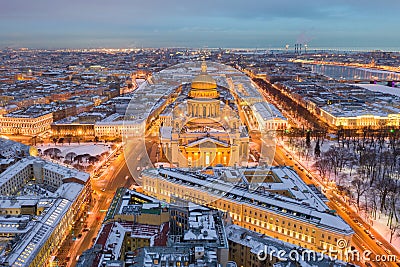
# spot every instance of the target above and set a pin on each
(204, 129)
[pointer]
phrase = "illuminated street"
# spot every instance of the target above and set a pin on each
(360, 239)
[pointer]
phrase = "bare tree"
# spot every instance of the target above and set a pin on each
(322, 165)
(394, 231)
(360, 187)
(338, 157)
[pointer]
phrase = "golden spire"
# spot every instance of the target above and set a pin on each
(204, 67)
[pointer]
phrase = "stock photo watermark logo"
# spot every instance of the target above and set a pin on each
(342, 253)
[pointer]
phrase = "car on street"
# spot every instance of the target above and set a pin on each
(372, 236)
(388, 251)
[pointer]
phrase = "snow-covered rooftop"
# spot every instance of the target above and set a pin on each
(257, 243)
(150, 96)
(27, 250)
(314, 212)
(380, 88)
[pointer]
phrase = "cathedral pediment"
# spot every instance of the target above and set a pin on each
(208, 143)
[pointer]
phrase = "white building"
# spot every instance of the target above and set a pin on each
(53, 212)
(268, 117)
(121, 128)
(38, 171)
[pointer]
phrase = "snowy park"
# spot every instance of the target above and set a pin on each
(82, 156)
(365, 170)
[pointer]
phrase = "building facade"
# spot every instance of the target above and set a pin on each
(312, 226)
(25, 125)
(119, 129)
(203, 131)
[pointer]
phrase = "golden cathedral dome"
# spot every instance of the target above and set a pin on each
(203, 81)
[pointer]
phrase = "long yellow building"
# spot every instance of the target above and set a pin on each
(26, 125)
(300, 218)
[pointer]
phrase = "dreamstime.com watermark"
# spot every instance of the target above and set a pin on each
(343, 253)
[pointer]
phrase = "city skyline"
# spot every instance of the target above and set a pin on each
(138, 157)
(255, 24)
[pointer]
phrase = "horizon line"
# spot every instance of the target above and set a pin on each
(344, 49)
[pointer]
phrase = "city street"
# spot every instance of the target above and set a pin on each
(360, 238)
(117, 175)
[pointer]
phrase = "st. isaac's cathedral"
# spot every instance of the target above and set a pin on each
(202, 127)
